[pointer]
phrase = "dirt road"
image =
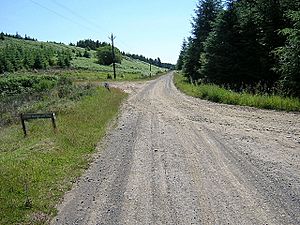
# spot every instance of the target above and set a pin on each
(174, 159)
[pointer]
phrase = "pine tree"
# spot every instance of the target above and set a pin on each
(232, 52)
(179, 64)
(220, 62)
(289, 61)
(2, 36)
(206, 13)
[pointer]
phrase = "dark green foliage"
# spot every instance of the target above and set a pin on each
(17, 36)
(86, 54)
(206, 13)
(289, 57)
(2, 36)
(64, 59)
(249, 43)
(179, 64)
(221, 62)
(104, 55)
(151, 61)
(232, 54)
(93, 45)
(78, 54)
(26, 84)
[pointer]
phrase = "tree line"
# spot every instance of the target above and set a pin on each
(246, 43)
(17, 36)
(90, 44)
(156, 62)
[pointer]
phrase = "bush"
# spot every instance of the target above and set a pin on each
(104, 55)
(26, 84)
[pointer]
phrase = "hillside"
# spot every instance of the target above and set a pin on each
(25, 56)
(30, 70)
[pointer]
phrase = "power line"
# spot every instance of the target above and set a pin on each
(87, 20)
(77, 15)
(92, 28)
(60, 15)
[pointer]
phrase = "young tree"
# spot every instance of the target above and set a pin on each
(86, 54)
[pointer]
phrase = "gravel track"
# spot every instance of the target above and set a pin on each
(174, 159)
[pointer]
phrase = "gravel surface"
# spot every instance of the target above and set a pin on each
(174, 159)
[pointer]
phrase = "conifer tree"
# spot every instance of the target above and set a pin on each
(206, 12)
(179, 64)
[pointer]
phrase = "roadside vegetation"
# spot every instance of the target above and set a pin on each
(30, 70)
(219, 94)
(38, 169)
(245, 46)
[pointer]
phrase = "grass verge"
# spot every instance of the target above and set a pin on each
(217, 94)
(36, 171)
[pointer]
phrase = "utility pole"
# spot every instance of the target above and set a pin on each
(112, 38)
(150, 69)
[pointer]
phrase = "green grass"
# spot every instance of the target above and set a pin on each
(37, 44)
(41, 167)
(217, 94)
(129, 69)
(86, 69)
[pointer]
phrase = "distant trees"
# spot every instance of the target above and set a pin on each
(245, 43)
(90, 44)
(104, 55)
(156, 62)
(17, 36)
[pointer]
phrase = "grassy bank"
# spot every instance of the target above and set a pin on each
(36, 171)
(217, 94)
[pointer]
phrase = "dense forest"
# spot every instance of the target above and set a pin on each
(245, 44)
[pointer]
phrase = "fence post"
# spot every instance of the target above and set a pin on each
(53, 121)
(23, 124)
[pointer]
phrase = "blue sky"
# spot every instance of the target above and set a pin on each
(153, 28)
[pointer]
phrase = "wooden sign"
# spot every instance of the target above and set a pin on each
(33, 116)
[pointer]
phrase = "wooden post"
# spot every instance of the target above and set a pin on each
(112, 38)
(23, 125)
(53, 118)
